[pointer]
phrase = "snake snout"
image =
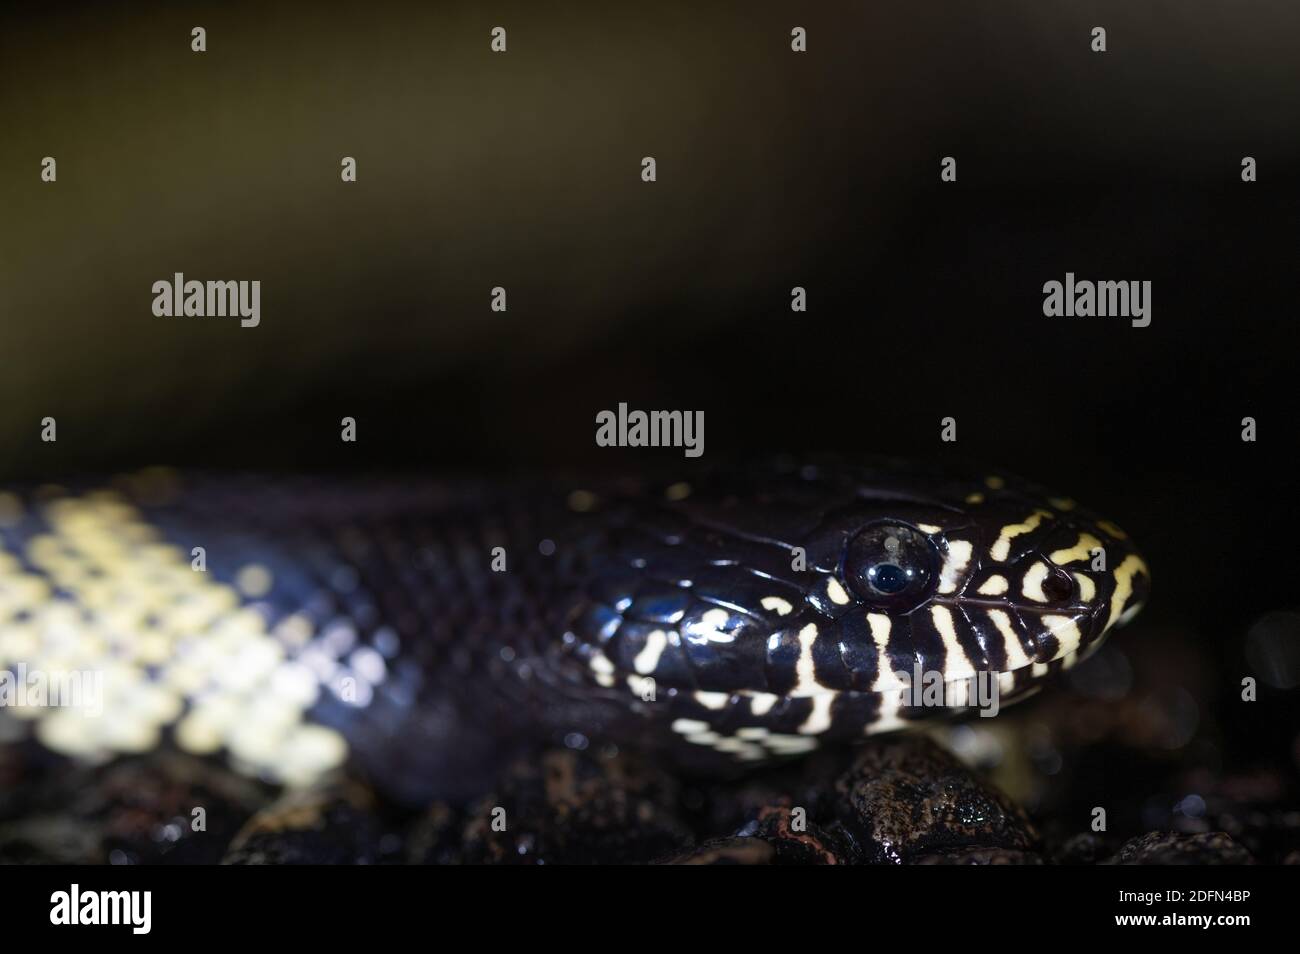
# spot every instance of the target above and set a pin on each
(1116, 582)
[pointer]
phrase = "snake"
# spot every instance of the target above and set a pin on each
(422, 631)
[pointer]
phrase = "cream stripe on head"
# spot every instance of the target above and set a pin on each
(1124, 574)
(1002, 548)
(1016, 656)
(805, 670)
(956, 663)
(1066, 631)
(1032, 586)
(1080, 551)
(954, 564)
(880, 627)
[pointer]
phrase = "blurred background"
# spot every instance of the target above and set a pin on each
(775, 169)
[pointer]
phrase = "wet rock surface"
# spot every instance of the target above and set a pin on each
(565, 808)
(1172, 848)
(908, 798)
(1123, 763)
(892, 801)
(165, 809)
(340, 825)
(982, 856)
(900, 800)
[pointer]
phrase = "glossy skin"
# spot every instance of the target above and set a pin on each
(909, 577)
(426, 632)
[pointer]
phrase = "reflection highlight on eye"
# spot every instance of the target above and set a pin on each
(890, 565)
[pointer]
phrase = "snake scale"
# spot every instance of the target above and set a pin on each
(423, 631)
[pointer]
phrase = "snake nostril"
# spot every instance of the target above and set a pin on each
(1058, 586)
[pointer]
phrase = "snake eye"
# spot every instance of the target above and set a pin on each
(888, 578)
(890, 565)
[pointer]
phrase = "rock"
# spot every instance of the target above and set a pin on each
(567, 807)
(905, 798)
(336, 825)
(1255, 808)
(51, 840)
(982, 856)
(728, 851)
(165, 808)
(1086, 848)
(900, 800)
(794, 839)
(1172, 848)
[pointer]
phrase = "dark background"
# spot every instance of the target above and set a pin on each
(775, 169)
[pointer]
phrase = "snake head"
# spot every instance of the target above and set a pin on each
(768, 614)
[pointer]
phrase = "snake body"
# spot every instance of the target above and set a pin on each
(424, 631)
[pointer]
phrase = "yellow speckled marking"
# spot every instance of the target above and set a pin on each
(836, 592)
(602, 668)
(1124, 574)
(955, 562)
(1002, 548)
(790, 744)
(1111, 529)
(880, 626)
(1016, 656)
(805, 672)
(1032, 585)
(712, 700)
(173, 646)
(254, 581)
(647, 660)
(956, 664)
(819, 719)
(888, 718)
(1066, 631)
(781, 606)
(1080, 551)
